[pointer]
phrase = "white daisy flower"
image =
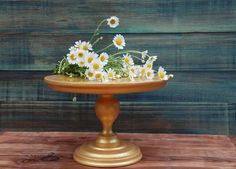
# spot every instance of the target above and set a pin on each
(81, 53)
(105, 77)
(149, 74)
(142, 71)
(72, 58)
(96, 65)
(144, 54)
(133, 71)
(81, 62)
(152, 58)
(148, 64)
(128, 60)
(72, 48)
(99, 75)
(119, 41)
(90, 57)
(90, 74)
(113, 21)
(78, 44)
(111, 73)
(86, 46)
(103, 58)
(162, 73)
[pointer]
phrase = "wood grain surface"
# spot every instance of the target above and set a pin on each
(199, 86)
(140, 117)
(175, 51)
(53, 150)
(149, 16)
(195, 40)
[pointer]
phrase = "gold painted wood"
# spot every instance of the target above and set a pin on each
(107, 150)
(119, 86)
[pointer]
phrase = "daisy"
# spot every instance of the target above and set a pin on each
(81, 53)
(152, 58)
(72, 48)
(99, 75)
(133, 71)
(111, 73)
(148, 64)
(90, 57)
(105, 77)
(78, 44)
(86, 46)
(162, 73)
(113, 21)
(149, 74)
(103, 58)
(119, 41)
(128, 60)
(72, 58)
(96, 65)
(142, 71)
(90, 74)
(81, 62)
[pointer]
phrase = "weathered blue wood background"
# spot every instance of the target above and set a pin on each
(194, 39)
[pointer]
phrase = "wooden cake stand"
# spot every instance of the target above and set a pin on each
(107, 150)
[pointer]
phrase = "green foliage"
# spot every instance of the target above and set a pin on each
(64, 68)
(115, 63)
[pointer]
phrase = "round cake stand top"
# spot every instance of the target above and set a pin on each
(119, 86)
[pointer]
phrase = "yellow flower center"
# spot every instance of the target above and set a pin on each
(102, 58)
(96, 66)
(149, 74)
(127, 60)
(112, 21)
(142, 70)
(90, 59)
(72, 57)
(118, 41)
(161, 74)
(110, 74)
(98, 76)
(81, 62)
(80, 54)
(90, 74)
(132, 70)
(85, 47)
(149, 66)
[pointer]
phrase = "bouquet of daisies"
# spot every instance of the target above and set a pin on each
(83, 61)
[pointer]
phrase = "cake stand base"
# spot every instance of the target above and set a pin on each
(107, 152)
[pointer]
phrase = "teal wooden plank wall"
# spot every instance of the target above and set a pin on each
(194, 39)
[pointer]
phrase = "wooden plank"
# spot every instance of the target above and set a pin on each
(233, 139)
(185, 87)
(135, 117)
(177, 52)
(165, 151)
(149, 16)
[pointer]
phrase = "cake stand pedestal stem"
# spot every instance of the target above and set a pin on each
(107, 150)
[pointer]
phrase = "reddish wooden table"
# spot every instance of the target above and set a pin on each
(54, 150)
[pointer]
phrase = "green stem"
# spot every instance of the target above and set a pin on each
(59, 69)
(126, 51)
(105, 48)
(97, 29)
(97, 40)
(136, 57)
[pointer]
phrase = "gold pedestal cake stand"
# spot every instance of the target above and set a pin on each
(107, 150)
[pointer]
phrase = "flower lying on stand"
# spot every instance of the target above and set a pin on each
(83, 61)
